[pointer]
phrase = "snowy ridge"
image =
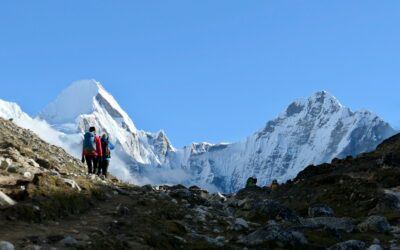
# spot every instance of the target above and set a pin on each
(310, 131)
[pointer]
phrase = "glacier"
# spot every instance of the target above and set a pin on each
(310, 131)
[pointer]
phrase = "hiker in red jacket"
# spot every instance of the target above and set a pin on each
(92, 150)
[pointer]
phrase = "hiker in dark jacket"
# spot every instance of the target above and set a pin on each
(92, 151)
(106, 146)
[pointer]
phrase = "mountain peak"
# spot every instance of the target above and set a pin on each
(91, 85)
(79, 98)
(321, 100)
(324, 97)
(75, 100)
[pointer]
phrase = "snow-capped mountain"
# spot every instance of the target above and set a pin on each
(86, 103)
(310, 131)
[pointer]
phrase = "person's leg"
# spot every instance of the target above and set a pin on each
(99, 162)
(89, 162)
(106, 163)
(95, 164)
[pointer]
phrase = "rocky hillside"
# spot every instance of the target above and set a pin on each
(48, 202)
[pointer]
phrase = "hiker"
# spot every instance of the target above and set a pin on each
(274, 185)
(106, 146)
(92, 151)
(251, 182)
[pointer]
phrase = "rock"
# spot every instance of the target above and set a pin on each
(376, 245)
(69, 242)
(123, 210)
(378, 224)
(332, 223)
(394, 246)
(181, 194)
(320, 210)
(266, 210)
(240, 224)
(121, 191)
(5, 163)
(32, 247)
(220, 238)
(72, 184)
(201, 214)
(5, 245)
(218, 197)
(28, 175)
(54, 173)
(5, 200)
(376, 241)
(12, 169)
(242, 203)
(33, 163)
(199, 237)
(84, 237)
(148, 187)
(273, 234)
(349, 245)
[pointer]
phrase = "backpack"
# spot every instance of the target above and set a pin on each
(89, 142)
(106, 148)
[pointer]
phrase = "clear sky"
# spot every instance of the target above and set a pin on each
(204, 70)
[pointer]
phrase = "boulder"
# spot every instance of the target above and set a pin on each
(266, 210)
(12, 169)
(69, 242)
(28, 175)
(378, 224)
(376, 245)
(333, 223)
(72, 184)
(349, 245)
(320, 210)
(5, 200)
(5, 163)
(240, 224)
(5, 245)
(181, 193)
(274, 235)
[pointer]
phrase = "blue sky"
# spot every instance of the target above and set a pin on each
(204, 70)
